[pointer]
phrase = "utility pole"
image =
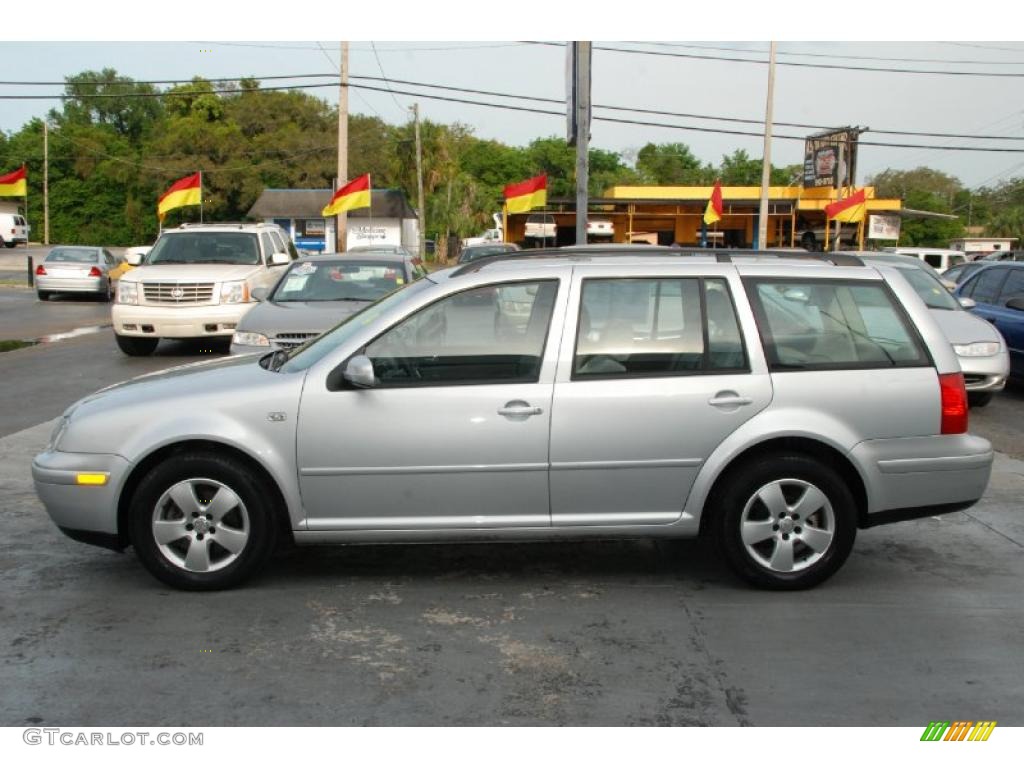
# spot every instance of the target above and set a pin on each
(46, 182)
(766, 169)
(342, 224)
(581, 87)
(419, 184)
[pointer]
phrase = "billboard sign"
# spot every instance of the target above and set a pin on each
(830, 159)
(882, 227)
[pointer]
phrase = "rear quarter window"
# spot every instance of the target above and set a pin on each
(833, 325)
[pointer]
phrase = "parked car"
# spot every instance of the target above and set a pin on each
(940, 259)
(1003, 256)
(395, 250)
(541, 226)
(474, 252)
(197, 282)
(489, 236)
(13, 229)
(961, 272)
(979, 347)
(76, 269)
(779, 404)
(998, 295)
(317, 293)
(600, 229)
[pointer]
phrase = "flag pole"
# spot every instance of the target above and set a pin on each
(200, 197)
(369, 183)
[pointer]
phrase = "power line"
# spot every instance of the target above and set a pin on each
(846, 67)
(385, 77)
(361, 97)
(854, 57)
(416, 94)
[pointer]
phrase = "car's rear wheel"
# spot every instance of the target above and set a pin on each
(107, 294)
(979, 399)
(784, 522)
(44, 295)
(136, 346)
(202, 521)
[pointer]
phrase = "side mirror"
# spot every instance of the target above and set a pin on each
(135, 259)
(1016, 303)
(967, 302)
(260, 293)
(359, 372)
(279, 258)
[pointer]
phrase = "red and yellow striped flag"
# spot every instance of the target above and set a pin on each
(14, 184)
(187, 191)
(850, 208)
(355, 194)
(527, 195)
(713, 211)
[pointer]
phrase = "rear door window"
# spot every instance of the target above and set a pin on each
(635, 327)
(268, 246)
(833, 324)
(1013, 288)
(985, 287)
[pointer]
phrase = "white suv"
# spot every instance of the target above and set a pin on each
(197, 282)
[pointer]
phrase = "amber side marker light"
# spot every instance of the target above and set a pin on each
(91, 478)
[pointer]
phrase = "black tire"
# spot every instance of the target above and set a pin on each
(44, 295)
(794, 473)
(136, 346)
(11, 245)
(808, 241)
(255, 499)
(979, 399)
(108, 293)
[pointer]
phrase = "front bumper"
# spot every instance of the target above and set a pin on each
(82, 509)
(985, 374)
(181, 322)
(918, 476)
(71, 284)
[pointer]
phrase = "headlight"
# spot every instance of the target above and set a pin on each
(127, 292)
(977, 349)
(236, 292)
(58, 433)
(247, 339)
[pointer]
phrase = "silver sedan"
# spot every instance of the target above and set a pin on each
(76, 269)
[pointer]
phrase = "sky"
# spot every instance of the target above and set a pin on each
(820, 96)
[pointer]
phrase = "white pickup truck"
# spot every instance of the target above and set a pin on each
(197, 283)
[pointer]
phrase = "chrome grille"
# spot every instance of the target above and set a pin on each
(178, 293)
(289, 340)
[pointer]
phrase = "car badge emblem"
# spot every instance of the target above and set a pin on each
(177, 293)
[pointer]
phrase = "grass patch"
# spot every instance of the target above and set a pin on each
(6, 345)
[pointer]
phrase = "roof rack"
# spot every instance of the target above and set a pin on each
(723, 256)
(206, 224)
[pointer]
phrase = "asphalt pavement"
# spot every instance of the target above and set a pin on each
(922, 623)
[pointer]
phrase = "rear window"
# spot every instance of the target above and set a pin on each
(833, 324)
(74, 255)
(985, 287)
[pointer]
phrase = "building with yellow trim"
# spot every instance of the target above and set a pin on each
(667, 215)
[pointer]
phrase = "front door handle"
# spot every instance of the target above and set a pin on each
(519, 408)
(729, 399)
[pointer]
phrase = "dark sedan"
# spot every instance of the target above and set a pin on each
(474, 252)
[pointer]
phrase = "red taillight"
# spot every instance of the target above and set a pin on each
(40, 270)
(95, 272)
(954, 403)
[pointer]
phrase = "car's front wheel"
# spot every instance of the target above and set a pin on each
(136, 346)
(202, 521)
(784, 522)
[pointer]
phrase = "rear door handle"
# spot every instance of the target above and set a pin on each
(519, 408)
(729, 400)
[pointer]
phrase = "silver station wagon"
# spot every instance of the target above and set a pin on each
(776, 403)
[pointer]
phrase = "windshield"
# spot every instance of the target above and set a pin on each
(931, 290)
(317, 348)
(205, 248)
(74, 255)
(339, 280)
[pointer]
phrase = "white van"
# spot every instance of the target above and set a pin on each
(939, 259)
(13, 229)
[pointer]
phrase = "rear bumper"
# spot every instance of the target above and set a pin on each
(182, 322)
(71, 284)
(920, 476)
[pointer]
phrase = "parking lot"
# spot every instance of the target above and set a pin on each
(923, 622)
